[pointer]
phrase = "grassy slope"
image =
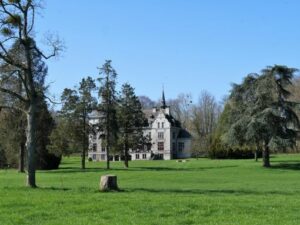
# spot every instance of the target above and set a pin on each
(157, 192)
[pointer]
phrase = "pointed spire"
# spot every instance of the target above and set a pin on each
(163, 100)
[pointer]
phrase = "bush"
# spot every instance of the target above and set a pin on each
(233, 154)
(219, 150)
(48, 162)
(3, 160)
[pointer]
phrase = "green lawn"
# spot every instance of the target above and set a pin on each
(157, 192)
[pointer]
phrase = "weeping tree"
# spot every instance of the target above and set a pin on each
(108, 107)
(263, 114)
(17, 36)
(131, 121)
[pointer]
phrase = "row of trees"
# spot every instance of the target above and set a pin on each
(259, 114)
(121, 117)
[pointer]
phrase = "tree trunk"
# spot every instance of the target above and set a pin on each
(107, 142)
(31, 143)
(126, 157)
(22, 157)
(83, 141)
(256, 153)
(266, 156)
(108, 183)
(83, 159)
(107, 157)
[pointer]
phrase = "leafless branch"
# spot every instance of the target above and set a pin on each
(52, 101)
(2, 81)
(14, 94)
(11, 108)
(54, 43)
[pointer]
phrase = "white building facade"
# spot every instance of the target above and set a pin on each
(168, 139)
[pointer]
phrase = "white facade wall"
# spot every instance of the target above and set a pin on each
(161, 125)
(140, 156)
(158, 126)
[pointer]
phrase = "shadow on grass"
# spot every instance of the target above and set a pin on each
(287, 161)
(135, 169)
(207, 192)
(54, 188)
(286, 166)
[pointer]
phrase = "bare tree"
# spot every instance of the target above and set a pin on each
(181, 108)
(17, 20)
(146, 102)
(204, 118)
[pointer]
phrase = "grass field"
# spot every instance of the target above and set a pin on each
(157, 192)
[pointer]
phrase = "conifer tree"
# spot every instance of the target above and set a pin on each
(108, 107)
(131, 121)
(263, 114)
(77, 104)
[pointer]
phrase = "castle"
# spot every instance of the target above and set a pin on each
(168, 139)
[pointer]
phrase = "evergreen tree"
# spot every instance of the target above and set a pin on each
(77, 104)
(15, 124)
(13, 137)
(263, 115)
(131, 121)
(108, 107)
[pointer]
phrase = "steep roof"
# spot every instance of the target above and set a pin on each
(184, 134)
(173, 121)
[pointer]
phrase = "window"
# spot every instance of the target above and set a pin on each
(160, 135)
(158, 124)
(93, 137)
(174, 146)
(180, 146)
(161, 146)
(94, 147)
(137, 156)
(148, 147)
(102, 157)
(94, 157)
(103, 149)
(162, 125)
(144, 156)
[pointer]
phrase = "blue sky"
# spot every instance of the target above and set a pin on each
(186, 45)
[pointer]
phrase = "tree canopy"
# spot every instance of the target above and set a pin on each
(261, 113)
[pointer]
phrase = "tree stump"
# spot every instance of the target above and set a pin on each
(108, 183)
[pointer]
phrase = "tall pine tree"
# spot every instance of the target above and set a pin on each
(131, 121)
(77, 104)
(108, 107)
